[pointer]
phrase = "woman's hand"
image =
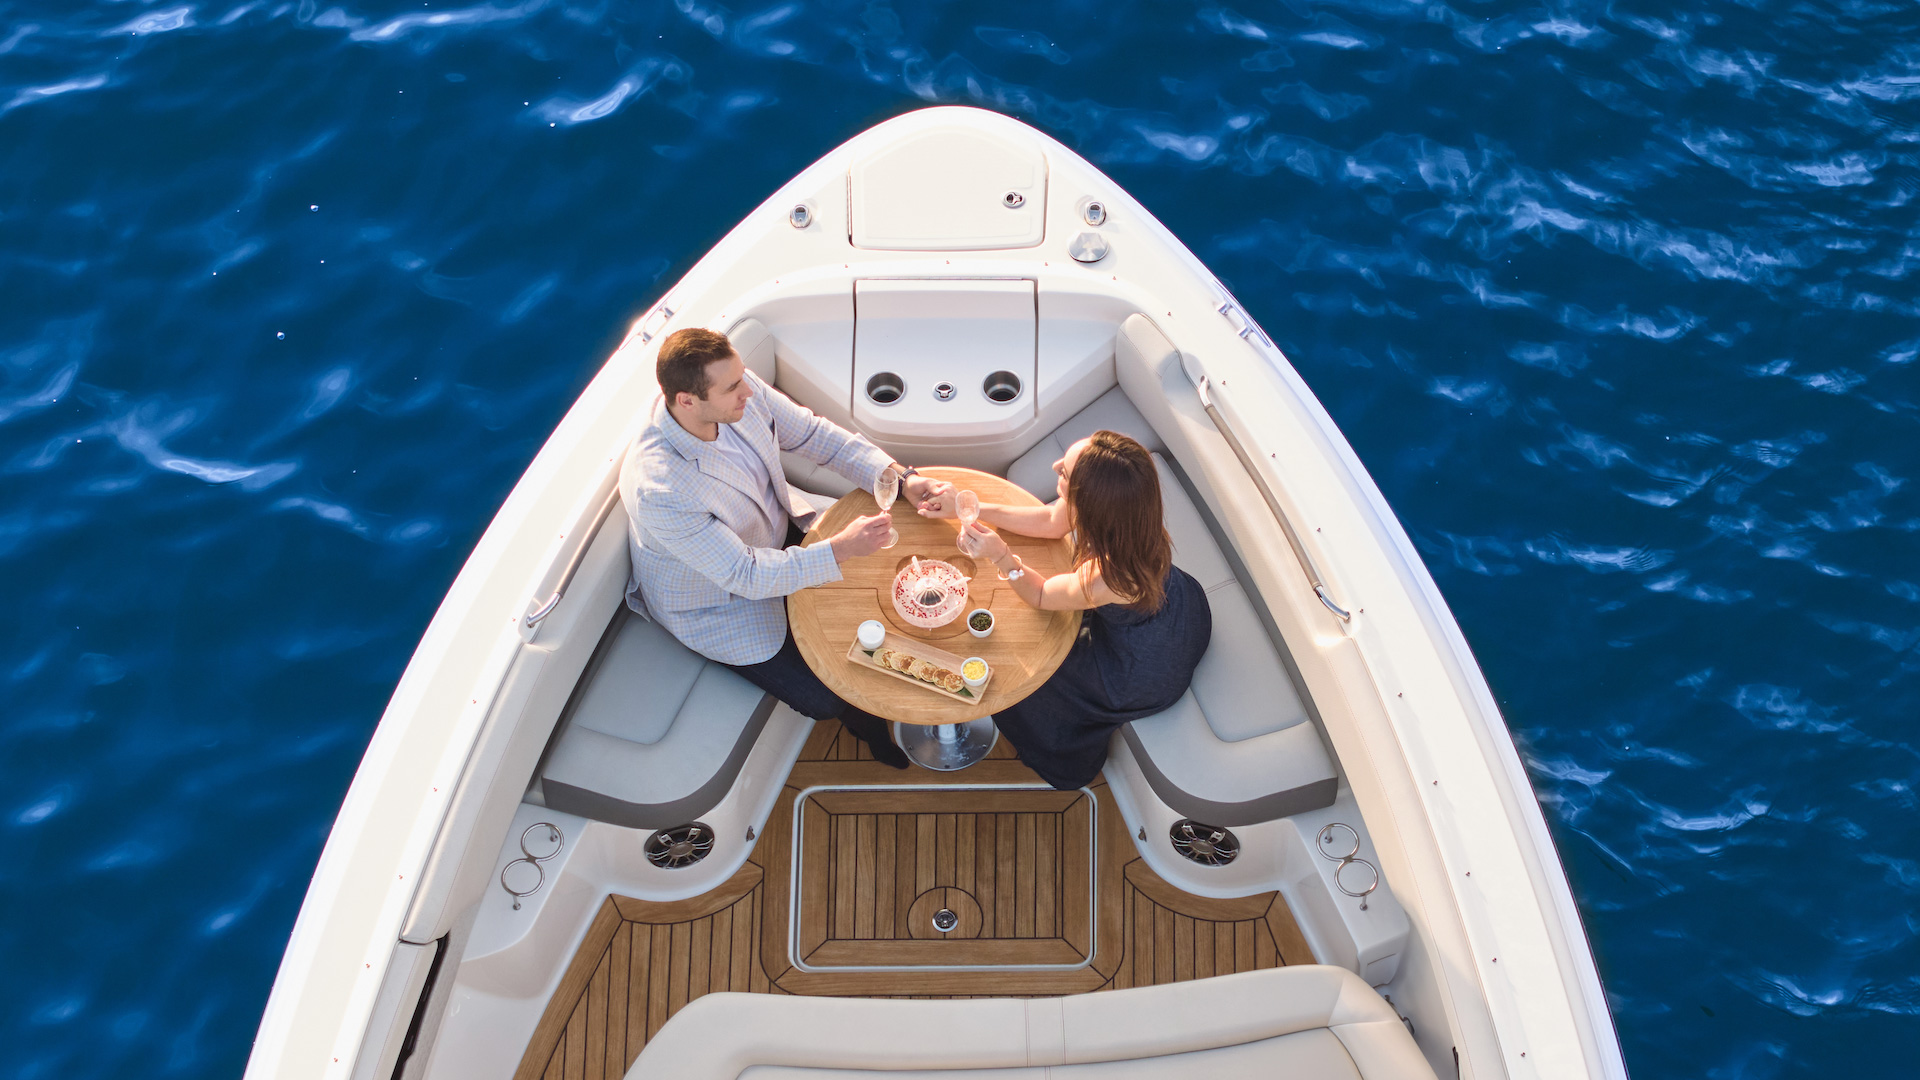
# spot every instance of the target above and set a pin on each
(981, 542)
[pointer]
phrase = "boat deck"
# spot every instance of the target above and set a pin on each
(1052, 898)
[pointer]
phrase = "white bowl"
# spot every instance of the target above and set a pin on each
(872, 634)
(975, 684)
(990, 622)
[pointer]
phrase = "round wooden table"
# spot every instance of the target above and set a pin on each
(1026, 645)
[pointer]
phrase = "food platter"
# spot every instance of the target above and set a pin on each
(939, 659)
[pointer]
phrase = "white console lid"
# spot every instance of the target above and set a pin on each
(951, 189)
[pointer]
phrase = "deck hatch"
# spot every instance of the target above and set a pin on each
(1009, 871)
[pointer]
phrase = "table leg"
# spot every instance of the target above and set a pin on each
(947, 747)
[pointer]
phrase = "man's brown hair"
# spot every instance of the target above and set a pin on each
(684, 356)
(1113, 494)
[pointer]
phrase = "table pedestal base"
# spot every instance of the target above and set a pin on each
(947, 747)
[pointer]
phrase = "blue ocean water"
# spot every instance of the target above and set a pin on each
(1616, 302)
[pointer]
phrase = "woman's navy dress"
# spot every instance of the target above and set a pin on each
(1125, 665)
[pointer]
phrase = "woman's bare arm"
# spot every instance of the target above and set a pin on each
(1048, 522)
(1076, 590)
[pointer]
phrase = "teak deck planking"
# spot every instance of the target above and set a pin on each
(642, 961)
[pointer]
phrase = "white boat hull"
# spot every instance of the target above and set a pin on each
(1500, 973)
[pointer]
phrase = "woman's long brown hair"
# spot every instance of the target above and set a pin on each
(1113, 495)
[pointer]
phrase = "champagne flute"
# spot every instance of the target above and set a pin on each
(967, 509)
(885, 490)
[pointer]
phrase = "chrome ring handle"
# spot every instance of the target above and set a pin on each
(554, 836)
(539, 880)
(1339, 880)
(559, 840)
(1328, 840)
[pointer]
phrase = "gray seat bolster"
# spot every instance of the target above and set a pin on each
(1311, 782)
(655, 734)
(613, 752)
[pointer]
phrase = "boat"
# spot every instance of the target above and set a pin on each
(576, 849)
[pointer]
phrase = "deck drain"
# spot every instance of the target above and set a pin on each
(680, 846)
(1208, 845)
(945, 920)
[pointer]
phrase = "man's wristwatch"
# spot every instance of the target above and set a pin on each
(907, 472)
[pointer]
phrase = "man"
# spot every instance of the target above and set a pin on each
(712, 522)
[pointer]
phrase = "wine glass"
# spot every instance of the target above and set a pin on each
(885, 490)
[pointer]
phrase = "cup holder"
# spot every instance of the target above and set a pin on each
(885, 388)
(1001, 387)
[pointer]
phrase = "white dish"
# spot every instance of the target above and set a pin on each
(990, 622)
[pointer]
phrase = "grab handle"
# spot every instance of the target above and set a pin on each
(1191, 367)
(573, 564)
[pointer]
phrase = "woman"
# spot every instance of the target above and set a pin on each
(1147, 622)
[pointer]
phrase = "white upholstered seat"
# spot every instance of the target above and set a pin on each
(655, 733)
(1238, 747)
(1305, 1021)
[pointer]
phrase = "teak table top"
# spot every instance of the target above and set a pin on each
(1026, 645)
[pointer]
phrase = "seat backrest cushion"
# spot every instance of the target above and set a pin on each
(808, 477)
(1242, 683)
(1110, 411)
(1194, 549)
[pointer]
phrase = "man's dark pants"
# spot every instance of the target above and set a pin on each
(788, 678)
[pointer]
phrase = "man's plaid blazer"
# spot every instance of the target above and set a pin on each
(707, 564)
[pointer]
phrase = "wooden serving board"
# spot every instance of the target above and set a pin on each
(920, 650)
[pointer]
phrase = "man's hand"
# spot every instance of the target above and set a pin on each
(938, 502)
(918, 489)
(862, 536)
